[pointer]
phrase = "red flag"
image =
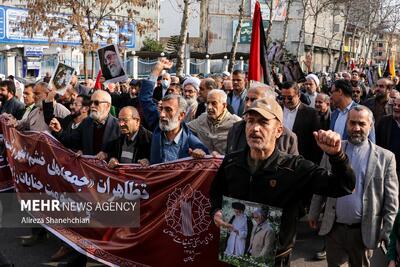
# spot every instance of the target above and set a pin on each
(97, 85)
(352, 65)
(257, 64)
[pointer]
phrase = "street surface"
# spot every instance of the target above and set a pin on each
(38, 256)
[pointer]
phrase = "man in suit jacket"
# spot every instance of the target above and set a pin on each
(237, 97)
(96, 132)
(341, 97)
(357, 223)
(302, 120)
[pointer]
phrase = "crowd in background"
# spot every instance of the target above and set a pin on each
(162, 118)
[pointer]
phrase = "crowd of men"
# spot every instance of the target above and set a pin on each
(295, 146)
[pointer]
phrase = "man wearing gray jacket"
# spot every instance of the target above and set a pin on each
(212, 127)
(356, 224)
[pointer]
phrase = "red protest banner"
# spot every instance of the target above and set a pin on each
(6, 182)
(175, 226)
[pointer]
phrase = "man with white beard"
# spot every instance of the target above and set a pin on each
(172, 139)
(95, 134)
(191, 91)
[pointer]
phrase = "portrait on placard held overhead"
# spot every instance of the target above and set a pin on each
(111, 64)
(62, 77)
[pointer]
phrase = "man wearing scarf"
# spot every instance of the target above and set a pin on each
(212, 127)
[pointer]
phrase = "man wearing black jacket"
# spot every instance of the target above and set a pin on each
(134, 144)
(263, 174)
(9, 103)
(96, 132)
(79, 111)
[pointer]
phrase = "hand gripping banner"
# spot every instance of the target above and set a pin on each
(175, 226)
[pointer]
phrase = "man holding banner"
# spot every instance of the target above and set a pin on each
(172, 139)
(95, 133)
(35, 120)
(263, 174)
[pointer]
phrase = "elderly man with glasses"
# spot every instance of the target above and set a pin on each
(134, 144)
(95, 134)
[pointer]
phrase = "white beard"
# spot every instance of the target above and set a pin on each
(171, 125)
(190, 101)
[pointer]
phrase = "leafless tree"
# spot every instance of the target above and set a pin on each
(86, 17)
(285, 25)
(236, 37)
(304, 4)
(182, 38)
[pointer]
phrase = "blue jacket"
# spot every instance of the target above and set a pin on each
(335, 115)
(149, 108)
(189, 140)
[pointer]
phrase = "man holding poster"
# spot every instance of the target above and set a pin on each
(261, 173)
(61, 77)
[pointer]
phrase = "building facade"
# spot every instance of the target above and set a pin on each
(32, 56)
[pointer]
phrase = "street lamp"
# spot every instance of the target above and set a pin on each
(207, 56)
(162, 54)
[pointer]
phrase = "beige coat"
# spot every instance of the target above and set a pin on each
(214, 137)
(262, 241)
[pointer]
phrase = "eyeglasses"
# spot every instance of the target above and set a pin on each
(126, 120)
(289, 97)
(97, 102)
(250, 99)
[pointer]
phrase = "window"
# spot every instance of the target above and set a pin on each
(380, 44)
(336, 27)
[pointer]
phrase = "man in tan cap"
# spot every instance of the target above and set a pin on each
(263, 174)
(236, 140)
